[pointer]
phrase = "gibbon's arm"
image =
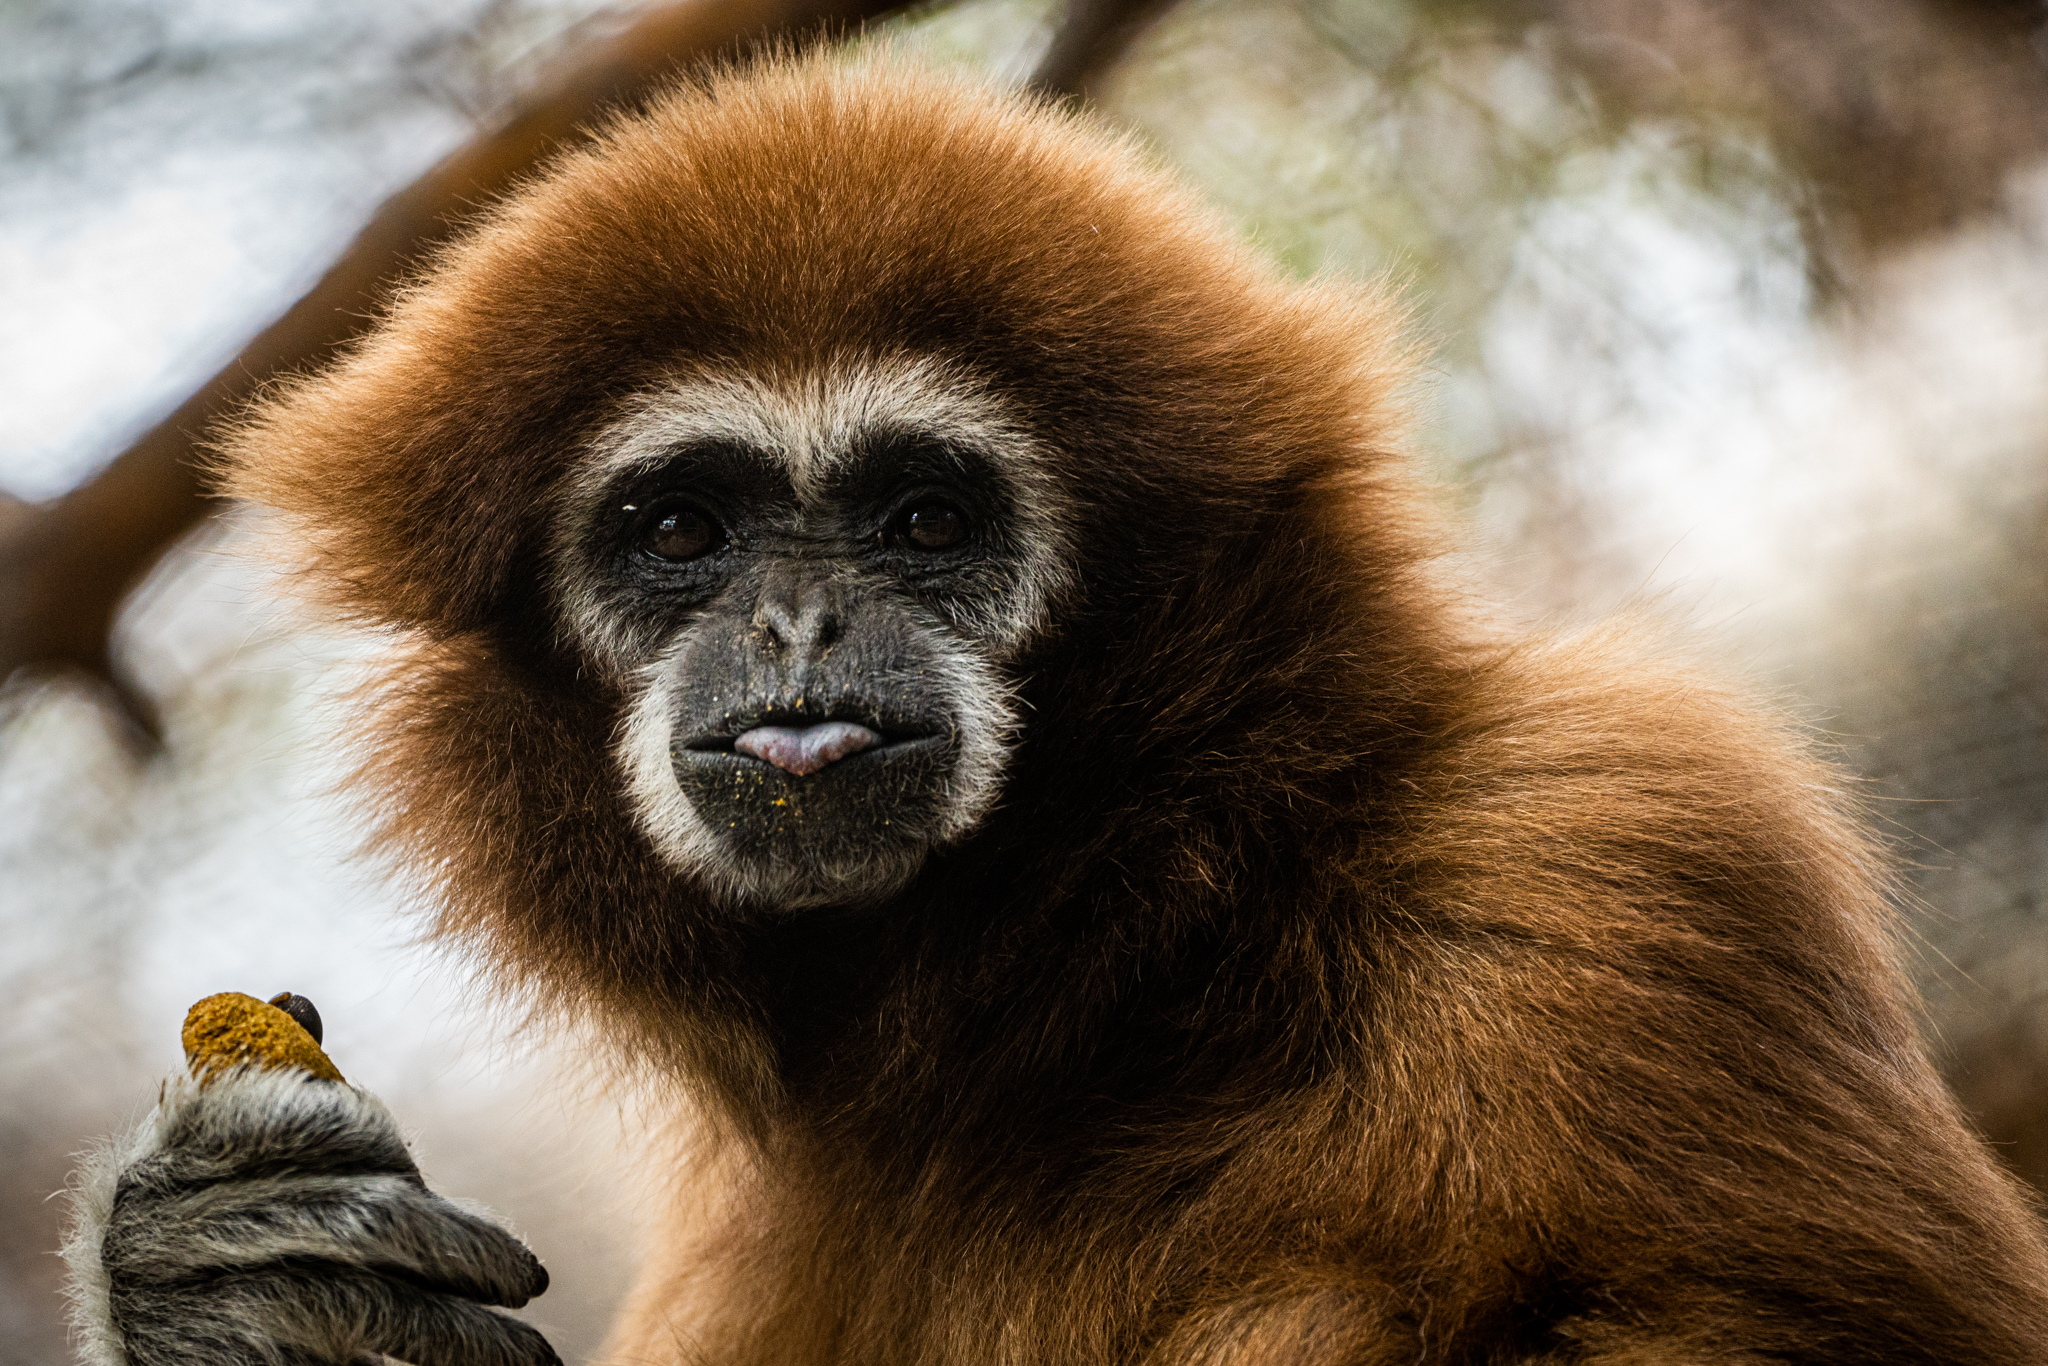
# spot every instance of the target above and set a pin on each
(266, 1217)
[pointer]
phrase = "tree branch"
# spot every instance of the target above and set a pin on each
(1093, 36)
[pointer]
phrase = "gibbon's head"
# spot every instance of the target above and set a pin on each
(756, 489)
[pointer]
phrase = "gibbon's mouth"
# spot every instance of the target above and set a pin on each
(801, 745)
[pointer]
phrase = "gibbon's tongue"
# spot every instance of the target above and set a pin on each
(803, 750)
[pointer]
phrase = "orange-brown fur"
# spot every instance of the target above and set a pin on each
(1335, 982)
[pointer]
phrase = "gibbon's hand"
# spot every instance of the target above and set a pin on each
(264, 1218)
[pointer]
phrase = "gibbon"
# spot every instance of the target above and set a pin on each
(935, 647)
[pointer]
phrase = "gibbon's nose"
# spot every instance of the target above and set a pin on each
(798, 615)
(803, 750)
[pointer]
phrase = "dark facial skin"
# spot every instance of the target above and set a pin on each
(814, 646)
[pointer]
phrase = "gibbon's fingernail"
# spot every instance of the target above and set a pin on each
(803, 750)
(300, 1009)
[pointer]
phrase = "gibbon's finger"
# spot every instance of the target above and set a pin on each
(324, 1315)
(450, 1249)
(381, 1223)
(439, 1330)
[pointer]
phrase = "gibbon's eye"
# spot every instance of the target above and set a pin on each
(929, 525)
(680, 532)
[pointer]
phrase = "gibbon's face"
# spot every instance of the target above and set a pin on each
(722, 484)
(810, 590)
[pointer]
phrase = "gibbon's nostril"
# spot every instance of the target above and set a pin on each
(803, 750)
(806, 632)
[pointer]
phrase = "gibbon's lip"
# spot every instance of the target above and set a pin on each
(803, 750)
(803, 741)
(805, 754)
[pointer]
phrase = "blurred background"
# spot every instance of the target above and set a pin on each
(1740, 320)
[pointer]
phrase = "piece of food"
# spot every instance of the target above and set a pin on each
(232, 1030)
